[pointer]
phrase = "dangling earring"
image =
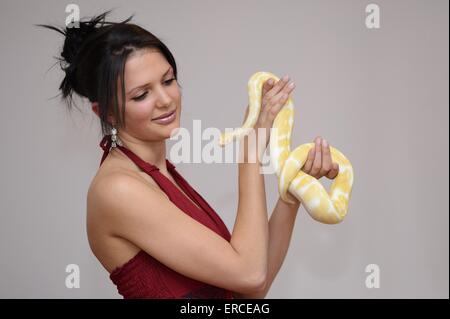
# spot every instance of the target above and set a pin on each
(113, 137)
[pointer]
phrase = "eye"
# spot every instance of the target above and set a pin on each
(169, 82)
(140, 97)
(143, 95)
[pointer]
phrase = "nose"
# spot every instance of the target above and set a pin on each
(163, 98)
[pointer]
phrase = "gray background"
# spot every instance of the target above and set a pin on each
(379, 95)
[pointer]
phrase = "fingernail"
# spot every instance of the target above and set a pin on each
(292, 84)
(270, 81)
(324, 143)
(285, 78)
(318, 141)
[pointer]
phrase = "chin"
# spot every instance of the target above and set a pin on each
(172, 129)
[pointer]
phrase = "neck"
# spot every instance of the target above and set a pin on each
(152, 152)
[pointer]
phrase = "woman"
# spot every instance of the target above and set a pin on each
(154, 234)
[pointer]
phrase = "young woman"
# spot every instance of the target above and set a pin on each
(154, 234)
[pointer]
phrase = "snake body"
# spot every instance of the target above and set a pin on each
(328, 208)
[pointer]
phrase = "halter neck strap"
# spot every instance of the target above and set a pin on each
(106, 143)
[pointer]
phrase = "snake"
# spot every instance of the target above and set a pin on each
(323, 206)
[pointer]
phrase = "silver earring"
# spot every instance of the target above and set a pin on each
(113, 137)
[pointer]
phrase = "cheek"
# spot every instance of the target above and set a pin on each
(175, 93)
(140, 112)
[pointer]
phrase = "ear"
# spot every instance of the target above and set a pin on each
(96, 109)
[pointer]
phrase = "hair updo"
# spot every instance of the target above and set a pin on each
(93, 59)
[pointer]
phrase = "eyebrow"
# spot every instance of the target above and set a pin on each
(146, 84)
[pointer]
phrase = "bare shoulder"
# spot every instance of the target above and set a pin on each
(101, 196)
(108, 177)
(111, 250)
(105, 181)
(111, 178)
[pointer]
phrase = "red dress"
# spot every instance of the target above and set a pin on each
(145, 277)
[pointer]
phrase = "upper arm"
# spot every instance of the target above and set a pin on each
(152, 222)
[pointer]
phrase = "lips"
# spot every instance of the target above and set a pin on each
(164, 115)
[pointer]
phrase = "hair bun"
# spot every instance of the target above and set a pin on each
(75, 38)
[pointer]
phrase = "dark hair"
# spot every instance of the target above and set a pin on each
(93, 59)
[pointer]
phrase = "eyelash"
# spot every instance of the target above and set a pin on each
(142, 96)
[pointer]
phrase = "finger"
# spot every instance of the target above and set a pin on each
(334, 171)
(281, 98)
(276, 89)
(277, 102)
(267, 86)
(326, 158)
(277, 106)
(317, 164)
(285, 90)
(309, 160)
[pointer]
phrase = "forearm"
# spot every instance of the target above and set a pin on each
(250, 237)
(281, 225)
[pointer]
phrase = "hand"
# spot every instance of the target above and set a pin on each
(273, 97)
(319, 161)
(318, 164)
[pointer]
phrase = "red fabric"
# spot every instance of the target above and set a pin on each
(145, 277)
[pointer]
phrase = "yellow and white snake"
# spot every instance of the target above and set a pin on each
(328, 208)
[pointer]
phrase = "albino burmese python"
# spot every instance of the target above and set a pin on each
(328, 208)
